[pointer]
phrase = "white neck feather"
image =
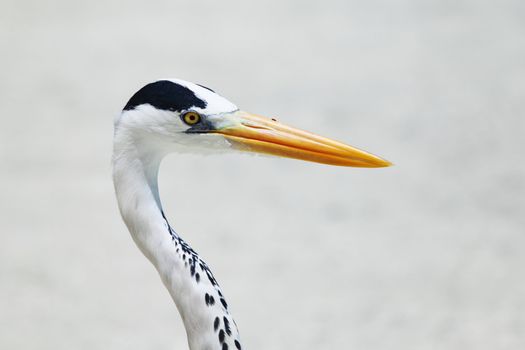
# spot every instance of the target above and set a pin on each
(197, 295)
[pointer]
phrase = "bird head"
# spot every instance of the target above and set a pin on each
(179, 116)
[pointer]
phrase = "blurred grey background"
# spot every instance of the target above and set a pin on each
(428, 254)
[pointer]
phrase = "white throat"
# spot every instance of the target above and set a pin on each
(195, 291)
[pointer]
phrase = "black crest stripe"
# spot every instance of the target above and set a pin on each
(166, 95)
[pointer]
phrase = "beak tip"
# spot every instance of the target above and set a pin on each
(385, 164)
(381, 163)
(369, 160)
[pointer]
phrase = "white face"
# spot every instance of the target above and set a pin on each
(164, 114)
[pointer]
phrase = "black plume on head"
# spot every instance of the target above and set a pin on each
(166, 95)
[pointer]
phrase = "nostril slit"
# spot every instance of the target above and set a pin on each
(257, 127)
(274, 119)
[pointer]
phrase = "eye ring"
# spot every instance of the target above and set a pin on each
(191, 118)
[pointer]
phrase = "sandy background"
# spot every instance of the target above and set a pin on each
(428, 254)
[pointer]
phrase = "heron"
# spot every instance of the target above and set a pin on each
(177, 116)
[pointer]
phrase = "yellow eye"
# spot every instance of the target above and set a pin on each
(191, 118)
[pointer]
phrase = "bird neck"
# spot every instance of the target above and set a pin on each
(191, 284)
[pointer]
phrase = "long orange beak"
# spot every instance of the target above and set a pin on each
(254, 133)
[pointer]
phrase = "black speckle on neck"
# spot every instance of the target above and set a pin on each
(165, 95)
